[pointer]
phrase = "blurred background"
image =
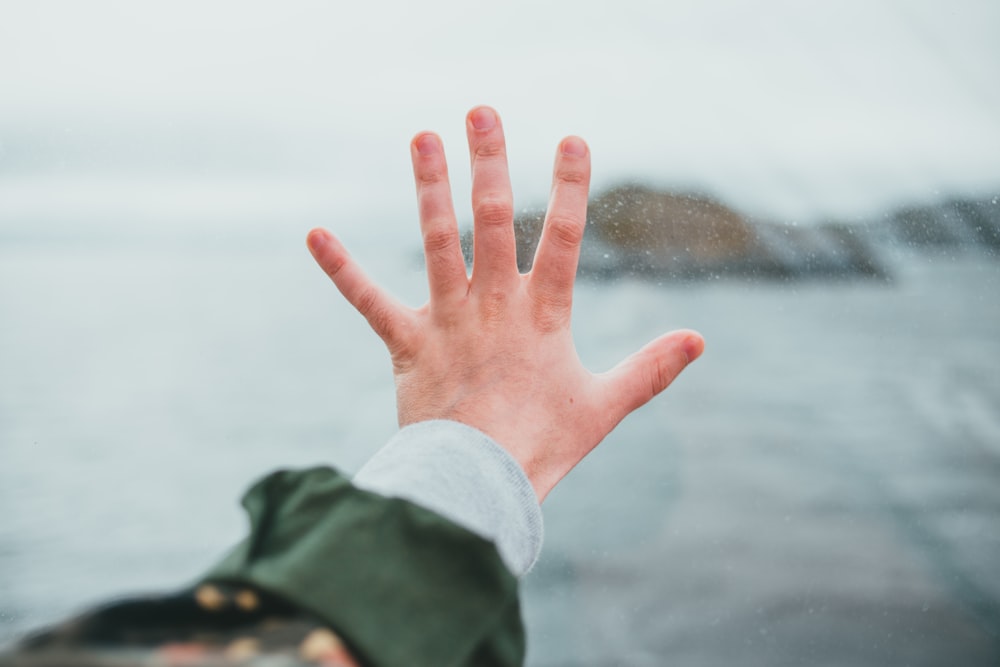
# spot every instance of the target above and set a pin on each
(813, 186)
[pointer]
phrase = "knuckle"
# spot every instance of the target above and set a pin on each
(489, 149)
(565, 232)
(551, 312)
(379, 317)
(494, 211)
(658, 381)
(448, 320)
(427, 177)
(661, 374)
(367, 302)
(572, 176)
(439, 240)
(334, 265)
(493, 306)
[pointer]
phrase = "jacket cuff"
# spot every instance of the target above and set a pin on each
(465, 476)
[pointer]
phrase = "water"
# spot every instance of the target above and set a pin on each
(822, 487)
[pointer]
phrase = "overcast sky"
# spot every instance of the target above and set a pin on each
(783, 108)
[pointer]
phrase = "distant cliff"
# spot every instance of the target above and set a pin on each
(636, 230)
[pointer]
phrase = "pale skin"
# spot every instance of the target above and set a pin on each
(494, 350)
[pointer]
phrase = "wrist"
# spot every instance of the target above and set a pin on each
(462, 474)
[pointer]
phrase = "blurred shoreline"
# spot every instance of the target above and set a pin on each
(661, 235)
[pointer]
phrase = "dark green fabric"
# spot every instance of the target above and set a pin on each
(402, 584)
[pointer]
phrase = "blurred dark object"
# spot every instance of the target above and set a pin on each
(210, 625)
(955, 223)
(634, 230)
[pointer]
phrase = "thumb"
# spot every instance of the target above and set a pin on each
(644, 374)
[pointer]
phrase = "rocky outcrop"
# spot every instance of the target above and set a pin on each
(955, 223)
(636, 230)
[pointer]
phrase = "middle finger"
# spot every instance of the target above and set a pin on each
(494, 254)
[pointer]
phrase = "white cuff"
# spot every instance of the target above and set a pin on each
(462, 474)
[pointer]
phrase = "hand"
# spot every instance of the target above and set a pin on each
(495, 350)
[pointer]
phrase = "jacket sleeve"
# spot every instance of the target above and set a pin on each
(405, 579)
(463, 475)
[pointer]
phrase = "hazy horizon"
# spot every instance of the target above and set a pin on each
(269, 115)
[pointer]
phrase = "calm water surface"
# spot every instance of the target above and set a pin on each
(822, 487)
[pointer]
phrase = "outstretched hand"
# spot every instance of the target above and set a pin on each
(495, 350)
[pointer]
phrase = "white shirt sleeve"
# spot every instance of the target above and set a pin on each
(465, 476)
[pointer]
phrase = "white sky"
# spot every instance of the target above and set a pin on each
(782, 108)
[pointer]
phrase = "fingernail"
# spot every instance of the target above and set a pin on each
(315, 240)
(484, 118)
(427, 144)
(574, 147)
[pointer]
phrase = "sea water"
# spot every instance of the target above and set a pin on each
(822, 487)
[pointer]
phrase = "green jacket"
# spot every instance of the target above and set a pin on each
(401, 584)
